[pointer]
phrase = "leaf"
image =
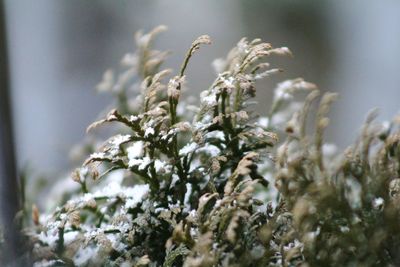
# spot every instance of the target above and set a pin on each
(205, 202)
(173, 254)
(246, 166)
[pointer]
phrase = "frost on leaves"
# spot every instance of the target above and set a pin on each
(184, 187)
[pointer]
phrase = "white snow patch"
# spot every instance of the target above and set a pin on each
(378, 202)
(187, 195)
(211, 150)
(208, 98)
(215, 134)
(189, 148)
(69, 237)
(45, 263)
(141, 163)
(98, 155)
(50, 237)
(120, 139)
(149, 131)
(135, 194)
(135, 150)
(161, 166)
(84, 254)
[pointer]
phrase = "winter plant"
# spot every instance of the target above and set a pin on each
(203, 184)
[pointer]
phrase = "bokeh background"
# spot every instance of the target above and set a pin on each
(58, 51)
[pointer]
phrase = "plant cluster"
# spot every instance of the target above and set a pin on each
(208, 184)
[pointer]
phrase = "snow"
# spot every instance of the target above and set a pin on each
(188, 148)
(133, 118)
(97, 155)
(377, 203)
(135, 194)
(174, 205)
(187, 195)
(49, 237)
(114, 189)
(141, 163)
(115, 176)
(294, 244)
(149, 131)
(228, 82)
(353, 192)
(266, 73)
(112, 117)
(46, 263)
(193, 213)
(161, 166)
(216, 134)
(285, 89)
(344, 229)
(111, 190)
(159, 210)
(116, 242)
(282, 51)
(175, 178)
(120, 139)
(135, 150)
(84, 254)
(200, 125)
(208, 98)
(282, 91)
(70, 236)
(211, 150)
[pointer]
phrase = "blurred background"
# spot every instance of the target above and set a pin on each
(58, 51)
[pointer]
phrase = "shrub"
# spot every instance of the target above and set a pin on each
(208, 184)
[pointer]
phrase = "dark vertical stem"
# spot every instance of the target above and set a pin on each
(9, 200)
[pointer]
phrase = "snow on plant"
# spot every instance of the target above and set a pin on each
(185, 185)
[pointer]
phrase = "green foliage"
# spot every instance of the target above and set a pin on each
(208, 184)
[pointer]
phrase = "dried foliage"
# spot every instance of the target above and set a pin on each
(208, 183)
